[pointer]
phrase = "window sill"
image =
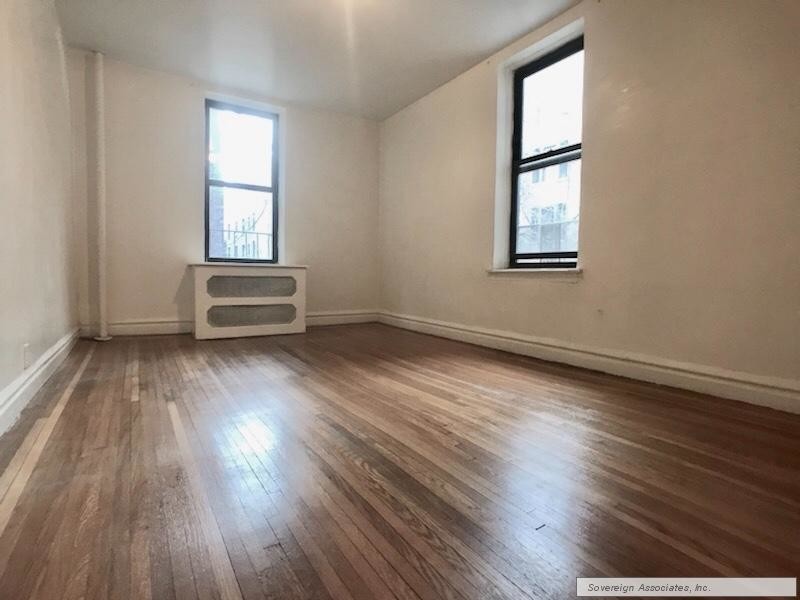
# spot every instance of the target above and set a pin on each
(219, 263)
(557, 274)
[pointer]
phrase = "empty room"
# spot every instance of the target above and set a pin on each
(399, 299)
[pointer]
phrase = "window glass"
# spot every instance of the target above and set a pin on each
(240, 223)
(240, 148)
(552, 109)
(548, 209)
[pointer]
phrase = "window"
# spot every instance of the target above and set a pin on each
(241, 184)
(546, 153)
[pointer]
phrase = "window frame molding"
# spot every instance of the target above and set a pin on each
(519, 54)
(275, 189)
(520, 165)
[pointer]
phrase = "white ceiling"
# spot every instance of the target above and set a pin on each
(366, 57)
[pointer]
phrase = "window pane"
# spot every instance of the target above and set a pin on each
(548, 208)
(240, 147)
(240, 223)
(552, 106)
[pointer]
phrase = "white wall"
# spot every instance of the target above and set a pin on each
(38, 300)
(155, 194)
(690, 205)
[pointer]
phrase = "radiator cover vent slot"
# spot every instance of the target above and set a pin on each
(237, 286)
(249, 315)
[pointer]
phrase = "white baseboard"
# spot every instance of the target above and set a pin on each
(168, 326)
(774, 392)
(16, 395)
(341, 317)
(142, 327)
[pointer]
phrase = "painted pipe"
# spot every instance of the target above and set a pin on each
(100, 194)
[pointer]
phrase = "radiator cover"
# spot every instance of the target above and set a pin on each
(234, 300)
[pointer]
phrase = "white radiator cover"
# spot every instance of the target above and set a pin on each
(236, 300)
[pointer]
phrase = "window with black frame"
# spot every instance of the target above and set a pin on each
(546, 169)
(241, 184)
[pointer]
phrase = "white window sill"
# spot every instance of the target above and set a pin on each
(560, 274)
(256, 265)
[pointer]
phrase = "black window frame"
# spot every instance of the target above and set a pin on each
(520, 165)
(273, 189)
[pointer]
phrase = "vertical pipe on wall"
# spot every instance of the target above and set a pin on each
(100, 192)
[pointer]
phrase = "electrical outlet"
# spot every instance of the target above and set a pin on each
(26, 356)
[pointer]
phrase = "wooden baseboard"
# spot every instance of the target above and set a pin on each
(774, 392)
(16, 395)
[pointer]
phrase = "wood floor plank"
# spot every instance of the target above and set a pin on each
(369, 463)
(17, 485)
(282, 567)
(220, 563)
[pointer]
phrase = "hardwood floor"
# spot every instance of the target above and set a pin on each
(369, 462)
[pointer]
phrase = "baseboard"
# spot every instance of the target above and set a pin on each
(341, 317)
(774, 392)
(16, 395)
(143, 327)
(168, 326)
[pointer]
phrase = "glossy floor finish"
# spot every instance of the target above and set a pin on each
(370, 462)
